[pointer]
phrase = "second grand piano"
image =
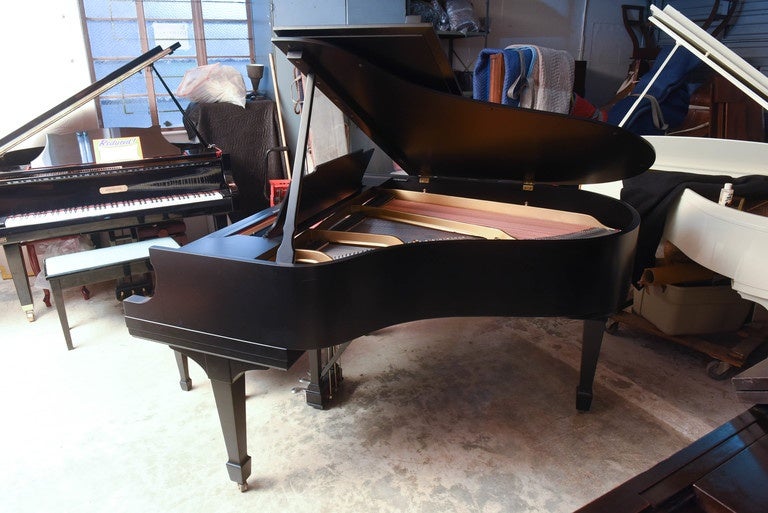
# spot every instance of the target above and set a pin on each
(65, 190)
(488, 223)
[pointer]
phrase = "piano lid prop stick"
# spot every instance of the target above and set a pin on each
(181, 109)
(280, 123)
(709, 50)
(73, 103)
(712, 52)
(648, 87)
(285, 251)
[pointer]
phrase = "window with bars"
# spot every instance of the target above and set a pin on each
(117, 31)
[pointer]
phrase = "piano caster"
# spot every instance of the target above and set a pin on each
(182, 362)
(612, 328)
(243, 487)
(29, 311)
(583, 400)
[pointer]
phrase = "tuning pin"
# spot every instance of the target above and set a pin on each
(306, 381)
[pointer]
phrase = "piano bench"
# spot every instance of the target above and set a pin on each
(96, 265)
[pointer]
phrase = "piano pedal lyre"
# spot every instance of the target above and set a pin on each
(131, 285)
(324, 377)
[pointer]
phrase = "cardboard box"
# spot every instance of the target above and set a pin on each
(5, 271)
(677, 310)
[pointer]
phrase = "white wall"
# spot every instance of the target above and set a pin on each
(44, 63)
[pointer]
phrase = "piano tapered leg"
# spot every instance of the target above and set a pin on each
(230, 403)
(18, 270)
(58, 299)
(228, 384)
(184, 380)
(220, 221)
(592, 339)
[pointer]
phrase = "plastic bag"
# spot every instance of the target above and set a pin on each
(213, 83)
(55, 247)
(442, 23)
(461, 15)
(430, 12)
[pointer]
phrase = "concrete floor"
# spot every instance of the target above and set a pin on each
(436, 416)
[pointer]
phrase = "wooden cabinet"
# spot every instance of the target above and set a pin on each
(719, 109)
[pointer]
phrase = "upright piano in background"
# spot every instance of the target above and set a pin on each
(726, 470)
(62, 189)
(678, 198)
(487, 222)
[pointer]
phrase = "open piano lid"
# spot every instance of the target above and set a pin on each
(82, 97)
(709, 156)
(399, 90)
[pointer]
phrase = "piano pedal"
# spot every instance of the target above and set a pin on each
(138, 288)
(300, 389)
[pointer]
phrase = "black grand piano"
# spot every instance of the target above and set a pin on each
(64, 189)
(487, 222)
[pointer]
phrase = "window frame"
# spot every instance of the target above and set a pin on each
(201, 51)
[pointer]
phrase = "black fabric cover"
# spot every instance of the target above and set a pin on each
(652, 193)
(246, 134)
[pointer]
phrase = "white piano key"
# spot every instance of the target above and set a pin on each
(103, 209)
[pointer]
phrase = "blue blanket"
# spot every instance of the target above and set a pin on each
(666, 103)
(517, 64)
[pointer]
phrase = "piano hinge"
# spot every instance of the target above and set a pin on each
(528, 181)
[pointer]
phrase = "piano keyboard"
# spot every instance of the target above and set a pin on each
(108, 209)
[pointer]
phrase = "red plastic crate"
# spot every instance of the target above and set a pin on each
(277, 191)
